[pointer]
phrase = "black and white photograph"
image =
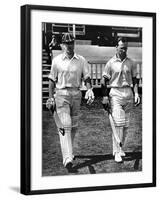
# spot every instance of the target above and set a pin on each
(87, 115)
(102, 134)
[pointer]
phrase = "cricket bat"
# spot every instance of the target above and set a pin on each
(58, 121)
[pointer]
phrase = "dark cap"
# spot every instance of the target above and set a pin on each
(67, 38)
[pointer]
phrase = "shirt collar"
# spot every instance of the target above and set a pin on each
(74, 56)
(118, 59)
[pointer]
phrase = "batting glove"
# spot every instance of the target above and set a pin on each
(136, 99)
(89, 96)
(50, 104)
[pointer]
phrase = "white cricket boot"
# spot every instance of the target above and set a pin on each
(117, 157)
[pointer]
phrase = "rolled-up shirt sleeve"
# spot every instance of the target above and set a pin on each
(54, 72)
(107, 71)
(85, 69)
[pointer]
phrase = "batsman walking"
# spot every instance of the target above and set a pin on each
(67, 72)
(120, 89)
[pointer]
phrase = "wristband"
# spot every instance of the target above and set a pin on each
(136, 95)
(90, 89)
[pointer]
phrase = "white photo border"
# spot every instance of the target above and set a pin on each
(38, 184)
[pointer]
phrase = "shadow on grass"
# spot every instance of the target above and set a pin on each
(90, 160)
(137, 156)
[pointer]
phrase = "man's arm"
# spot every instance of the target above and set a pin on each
(105, 93)
(135, 81)
(135, 90)
(135, 84)
(106, 76)
(89, 93)
(52, 86)
(88, 83)
(50, 104)
(104, 88)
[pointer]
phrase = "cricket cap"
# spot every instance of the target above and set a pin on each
(67, 38)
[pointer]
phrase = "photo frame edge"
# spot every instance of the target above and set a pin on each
(25, 182)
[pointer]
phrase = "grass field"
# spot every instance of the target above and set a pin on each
(93, 144)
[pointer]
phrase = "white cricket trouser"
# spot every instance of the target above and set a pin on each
(121, 105)
(68, 106)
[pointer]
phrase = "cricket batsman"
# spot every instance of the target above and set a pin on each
(120, 91)
(67, 72)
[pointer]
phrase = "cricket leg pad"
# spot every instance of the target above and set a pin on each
(116, 147)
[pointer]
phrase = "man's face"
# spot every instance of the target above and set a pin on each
(68, 48)
(122, 50)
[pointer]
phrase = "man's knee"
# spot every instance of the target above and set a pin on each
(65, 119)
(119, 117)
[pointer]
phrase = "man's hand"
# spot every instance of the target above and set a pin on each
(50, 104)
(106, 103)
(136, 99)
(89, 96)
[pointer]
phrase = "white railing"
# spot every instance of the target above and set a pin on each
(96, 69)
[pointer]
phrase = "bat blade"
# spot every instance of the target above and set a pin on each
(59, 123)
